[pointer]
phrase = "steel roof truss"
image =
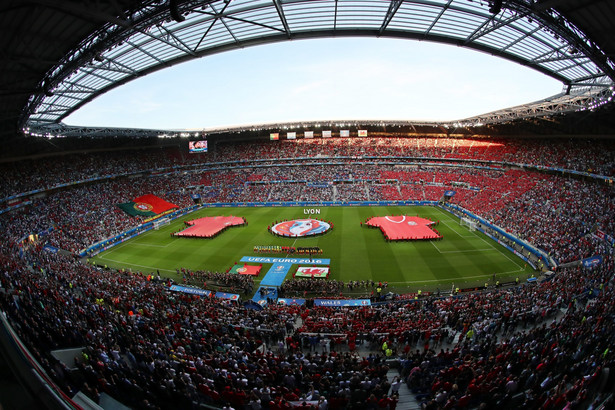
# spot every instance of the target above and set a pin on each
(94, 74)
(217, 16)
(592, 85)
(114, 66)
(280, 10)
(435, 21)
(79, 87)
(226, 25)
(490, 25)
(169, 38)
(393, 7)
(548, 42)
(335, 16)
(66, 94)
(520, 39)
(558, 56)
(147, 53)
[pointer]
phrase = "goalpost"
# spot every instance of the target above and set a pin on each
(469, 223)
(161, 222)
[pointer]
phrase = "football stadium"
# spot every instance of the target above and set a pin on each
(313, 264)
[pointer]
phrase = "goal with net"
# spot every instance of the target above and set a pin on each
(161, 222)
(469, 223)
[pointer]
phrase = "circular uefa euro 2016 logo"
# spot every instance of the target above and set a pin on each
(300, 227)
(142, 206)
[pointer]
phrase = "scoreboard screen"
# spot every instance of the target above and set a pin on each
(197, 146)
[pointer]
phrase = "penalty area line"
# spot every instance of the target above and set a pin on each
(134, 264)
(455, 230)
(121, 245)
(490, 275)
(505, 253)
(463, 251)
(449, 217)
(113, 249)
(150, 245)
(157, 246)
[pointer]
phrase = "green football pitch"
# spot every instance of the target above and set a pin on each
(463, 258)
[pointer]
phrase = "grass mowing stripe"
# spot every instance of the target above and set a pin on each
(505, 253)
(356, 252)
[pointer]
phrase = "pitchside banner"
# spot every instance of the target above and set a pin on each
(203, 292)
(289, 301)
(224, 295)
(192, 291)
(342, 302)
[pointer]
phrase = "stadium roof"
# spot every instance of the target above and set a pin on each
(58, 55)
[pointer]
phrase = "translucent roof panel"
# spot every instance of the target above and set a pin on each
(154, 41)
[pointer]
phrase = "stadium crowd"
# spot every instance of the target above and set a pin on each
(595, 156)
(313, 287)
(208, 279)
(558, 215)
(541, 345)
(149, 347)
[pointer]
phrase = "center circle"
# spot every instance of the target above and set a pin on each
(298, 228)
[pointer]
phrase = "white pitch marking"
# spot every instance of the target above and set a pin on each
(456, 279)
(492, 247)
(134, 264)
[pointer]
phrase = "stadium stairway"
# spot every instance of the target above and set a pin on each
(406, 398)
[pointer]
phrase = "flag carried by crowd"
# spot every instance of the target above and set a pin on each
(146, 205)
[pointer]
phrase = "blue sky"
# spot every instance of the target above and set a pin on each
(327, 79)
